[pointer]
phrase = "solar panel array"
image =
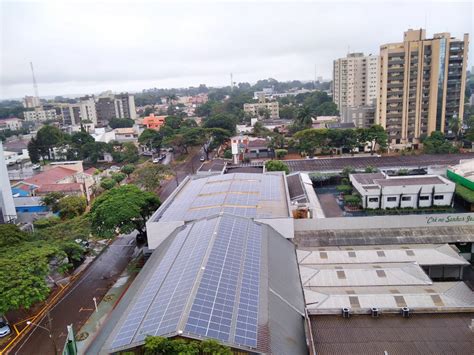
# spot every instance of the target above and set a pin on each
(208, 196)
(231, 275)
(160, 305)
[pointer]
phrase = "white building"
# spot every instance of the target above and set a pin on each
(381, 191)
(8, 212)
(254, 110)
(39, 115)
(355, 80)
(13, 124)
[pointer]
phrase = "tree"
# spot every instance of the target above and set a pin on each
(71, 206)
(469, 133)
(156, 345)
(375, 135)
(309, 140)
(11, 235)
(121, 123)
(46, 139)
(130, 153)
(151, 139)
(224, 121)
(108, 183)
(122, 210)
(149, 176)
(128, 169)
(51, 200)
(118, 177)
(276, 165)
(437, 143)
(304, 118)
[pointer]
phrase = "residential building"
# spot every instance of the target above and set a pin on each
(266, 93)
(105, 107)
(126, 134)
(422, 85)
(83, 111)
(125, 106)
(29, 204)
(13, 124)
(255, 110)
(355, 80)
(40, 115)
(31, 102)
(8, 212)
(154, 122)
(246, 148)
(379, 190)
(361, 116)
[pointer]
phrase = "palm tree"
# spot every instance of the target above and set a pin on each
(303, 117)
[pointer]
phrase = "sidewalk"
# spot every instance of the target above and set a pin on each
(98, 318)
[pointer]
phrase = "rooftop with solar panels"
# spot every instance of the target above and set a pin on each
(221, 269)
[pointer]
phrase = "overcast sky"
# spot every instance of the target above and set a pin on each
(91, 46)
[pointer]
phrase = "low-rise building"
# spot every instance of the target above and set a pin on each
(154, 122)
(463, 175)
(12, 124)
(255, 110)
(379, 190)
(128, 134)
(246, 148)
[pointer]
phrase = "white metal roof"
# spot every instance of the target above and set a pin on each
(423, 254)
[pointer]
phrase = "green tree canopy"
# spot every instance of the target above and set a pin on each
(71, 206)
(122, 209)
(128, 169)
(224, 121)
(46, 139)
(121, 123)
(107, 183)
(149, 176)
(276, 165)
(437, 143)
(155, 345)
(151, 139)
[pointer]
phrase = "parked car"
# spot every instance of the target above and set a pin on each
(156, 160)
(4, 327)
(202, 158)
(36, 167)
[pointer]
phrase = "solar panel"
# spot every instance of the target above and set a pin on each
(213, 307)
(168, 305)
(140, 308)
(270, 188)
(247, 313)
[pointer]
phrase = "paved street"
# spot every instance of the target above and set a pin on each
(77, 304)
(407, 161)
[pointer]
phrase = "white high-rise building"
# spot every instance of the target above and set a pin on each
(355, 80)
(7, 206)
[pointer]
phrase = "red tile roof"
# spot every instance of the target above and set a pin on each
(68, 187)
(90, 171)
(51, 176)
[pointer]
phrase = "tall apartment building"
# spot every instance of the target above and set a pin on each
(40, 115)
(355, 80)
(84, 110)
(422, 84)
(7, 206)
(115, 106)
(31, 102)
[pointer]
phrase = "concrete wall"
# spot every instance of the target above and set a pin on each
(408, 221)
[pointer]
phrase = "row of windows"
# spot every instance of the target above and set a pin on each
(406, 198)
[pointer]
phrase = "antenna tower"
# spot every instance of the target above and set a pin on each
(35, 85)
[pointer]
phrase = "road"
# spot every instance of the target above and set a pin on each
(77, 304)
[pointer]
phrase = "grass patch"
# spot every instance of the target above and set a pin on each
(465, 193)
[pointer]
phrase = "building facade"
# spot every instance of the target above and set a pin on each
(422, 83)
(13, 124)
(355, 80)
(361, 116)
(84, 110)
(39, 115)
(31, 102)
(378, 190)
(105, 107)
(254, 110)
(125, 106)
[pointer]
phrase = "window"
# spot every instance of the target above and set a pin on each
(391, 199)
(439, 197)
(406, 198)
(424, 198)
(373, 199)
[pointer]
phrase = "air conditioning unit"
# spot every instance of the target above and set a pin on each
(346, 312)
(405, 311)
(375, 312)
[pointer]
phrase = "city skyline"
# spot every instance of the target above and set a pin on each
(187, 44)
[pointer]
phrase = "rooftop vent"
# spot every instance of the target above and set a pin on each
(375, 312)
(405, 312)
(346, 312)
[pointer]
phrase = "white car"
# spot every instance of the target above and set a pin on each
(156, 160)
(4, 328)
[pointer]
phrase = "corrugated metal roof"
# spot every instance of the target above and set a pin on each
(419, 334)
(423, 254)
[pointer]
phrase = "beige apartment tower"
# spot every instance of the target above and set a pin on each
(422, 84)
(355, 80)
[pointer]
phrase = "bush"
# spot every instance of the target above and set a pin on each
(402, 172)
(371, 169)
(276, 165)
(344, 189)
(228, 154)
(108, 183)
(128, 169)
(347, 171)
(280, 153)
(118, 177)
(352, 200)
